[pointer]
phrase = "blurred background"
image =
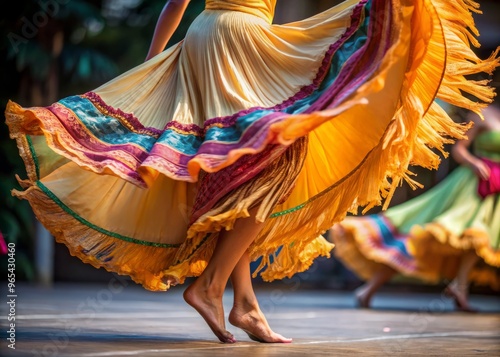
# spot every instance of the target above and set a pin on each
(51, 49)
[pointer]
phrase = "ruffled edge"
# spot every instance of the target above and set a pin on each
(441, 240)
(410, 138)
(416, 127)
(144, 264)
(364, 259)
(142, 172)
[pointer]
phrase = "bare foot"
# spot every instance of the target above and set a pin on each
(459, 297)
(250, 319)
(362, 297)
(209, 306)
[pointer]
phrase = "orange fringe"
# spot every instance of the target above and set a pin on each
(419, 126)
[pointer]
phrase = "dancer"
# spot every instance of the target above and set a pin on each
(451, 231)
(246, 140)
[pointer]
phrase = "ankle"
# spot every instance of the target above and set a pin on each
(457, 286)
(209, 288)
(246, 303)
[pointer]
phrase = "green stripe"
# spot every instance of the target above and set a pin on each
(328, 189)
(68, 210)
(33, 156)
(291, 210)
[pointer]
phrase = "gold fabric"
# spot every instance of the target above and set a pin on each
(233, 59)
(261, 8)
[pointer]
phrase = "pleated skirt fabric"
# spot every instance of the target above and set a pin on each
(303, 121)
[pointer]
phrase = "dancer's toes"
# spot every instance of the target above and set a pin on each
(269, 337)
(227, 337)
(253, 322)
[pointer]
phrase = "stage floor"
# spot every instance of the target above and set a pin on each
(121, 319)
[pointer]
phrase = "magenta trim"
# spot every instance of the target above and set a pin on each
(188, 128)
(230, 120)
(360, 65)
(102, 159)
(308, 89)
(93, 160)
(254, 137)
(218, 184)
(72, 127)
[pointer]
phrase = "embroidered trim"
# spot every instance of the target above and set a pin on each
(131, 122)
(127, 119)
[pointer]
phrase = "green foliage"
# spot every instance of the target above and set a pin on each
(34, 57)
(87, 65)
(30, 54)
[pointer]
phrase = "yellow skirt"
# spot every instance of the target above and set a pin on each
(139, 175)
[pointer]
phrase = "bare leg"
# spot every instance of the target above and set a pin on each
(205, 293)
(459, 287)
(246, 313)
(366, 291)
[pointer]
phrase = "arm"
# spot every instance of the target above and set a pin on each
(462, 155)
(168, 21)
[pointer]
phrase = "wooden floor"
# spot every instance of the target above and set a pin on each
(121, 319)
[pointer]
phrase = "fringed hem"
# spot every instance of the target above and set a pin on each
(460, 33)
(290, 256)
(482, 246)
(261, 193)
(195, 263)
(435, 238)
(418, 126)
(290, 259)
(144, 264)
(155, 268)
(195, 253)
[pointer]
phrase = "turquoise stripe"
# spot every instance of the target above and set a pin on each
(355, 42)
(232, 134)
(111, 131)
(387, 236)
(185, 144)
(104, 127)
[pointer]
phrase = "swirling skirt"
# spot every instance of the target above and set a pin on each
(306, 121)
